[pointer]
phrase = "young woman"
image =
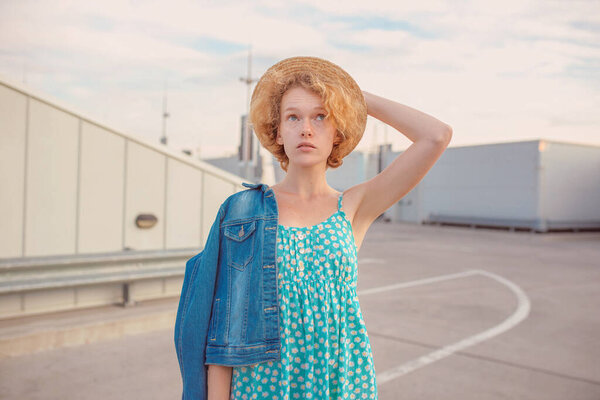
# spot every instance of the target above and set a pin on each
(310, 114)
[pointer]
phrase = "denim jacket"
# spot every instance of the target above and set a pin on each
(228, 311)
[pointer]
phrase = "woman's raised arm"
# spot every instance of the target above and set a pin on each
(430, 136)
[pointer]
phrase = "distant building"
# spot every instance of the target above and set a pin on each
(537, 185)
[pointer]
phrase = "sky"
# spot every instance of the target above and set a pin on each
(495, 71)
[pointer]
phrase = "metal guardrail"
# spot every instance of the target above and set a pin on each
(24, 275)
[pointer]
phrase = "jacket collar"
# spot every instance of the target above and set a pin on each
(264, 187)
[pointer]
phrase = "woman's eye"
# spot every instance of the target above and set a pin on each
(292, 117)
(321, 117)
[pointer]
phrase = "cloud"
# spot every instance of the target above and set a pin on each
(493, 70)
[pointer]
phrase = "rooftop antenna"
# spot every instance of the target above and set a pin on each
(247, 145)
(247, 151)
(165, 115)
(266, 158)
(248, 79)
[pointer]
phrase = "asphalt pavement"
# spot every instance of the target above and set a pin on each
(451, 313)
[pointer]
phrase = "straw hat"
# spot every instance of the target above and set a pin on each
(347, 105)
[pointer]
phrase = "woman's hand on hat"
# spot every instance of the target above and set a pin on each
(414, 124)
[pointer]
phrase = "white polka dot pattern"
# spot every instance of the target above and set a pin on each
(326, 353)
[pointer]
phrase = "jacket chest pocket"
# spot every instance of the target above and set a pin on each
(240, 244)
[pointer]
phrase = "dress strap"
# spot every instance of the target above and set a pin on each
(340, 201)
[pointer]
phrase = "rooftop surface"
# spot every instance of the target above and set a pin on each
(451, 313)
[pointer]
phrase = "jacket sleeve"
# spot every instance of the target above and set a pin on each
(193, 314)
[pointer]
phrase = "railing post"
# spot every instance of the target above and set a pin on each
(128, 300)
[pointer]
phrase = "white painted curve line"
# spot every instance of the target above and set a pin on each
(372, 261)
(521, 312)
(417, 282)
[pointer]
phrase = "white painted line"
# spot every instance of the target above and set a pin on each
(521, 313)
(372, 261)
(416, 283)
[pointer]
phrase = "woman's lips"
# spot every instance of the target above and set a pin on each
(306, 148)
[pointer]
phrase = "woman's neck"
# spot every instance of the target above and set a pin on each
(305, 182)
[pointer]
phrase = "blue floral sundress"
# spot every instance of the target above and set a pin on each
(326, 353)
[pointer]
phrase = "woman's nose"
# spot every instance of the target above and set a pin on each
(307, 127)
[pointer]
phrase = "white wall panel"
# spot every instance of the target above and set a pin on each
(147, 289)
(569, 182)
(492, 181)
(496, 181)
(101, 190)
(13, 119)
(184, 204)
(173, 286)
(10, 304)
(50, 203)
(49, 300)
(145, 194)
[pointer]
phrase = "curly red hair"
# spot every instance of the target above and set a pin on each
(339, 96)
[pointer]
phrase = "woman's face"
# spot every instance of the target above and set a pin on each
(303, 120)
